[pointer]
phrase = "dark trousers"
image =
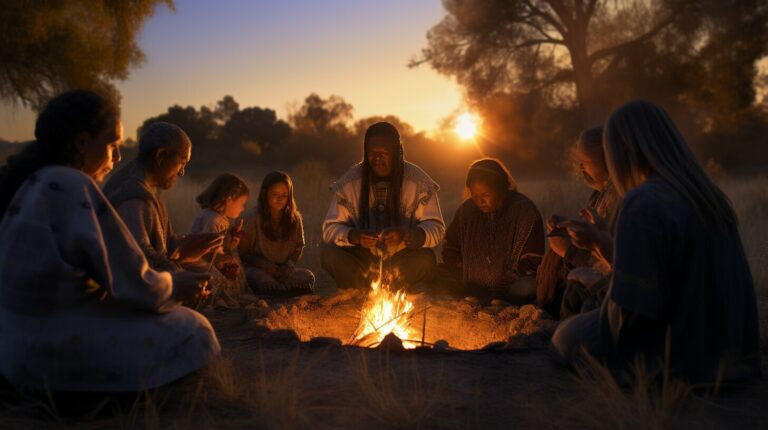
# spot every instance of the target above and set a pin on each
(355, 267)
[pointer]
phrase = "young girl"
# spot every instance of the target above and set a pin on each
(273, 241)
(222, 201)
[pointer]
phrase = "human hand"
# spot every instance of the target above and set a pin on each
(190, 287)
(195, 246)
(393, 237)
(590, 214)
(553, 221)
(559, 244)
(235, 233)
(582, 233)
(363, 238)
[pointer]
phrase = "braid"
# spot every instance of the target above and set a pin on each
(382, 129)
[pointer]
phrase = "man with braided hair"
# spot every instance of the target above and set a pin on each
(386, 206)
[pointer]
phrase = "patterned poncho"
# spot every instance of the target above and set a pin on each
(492, 250)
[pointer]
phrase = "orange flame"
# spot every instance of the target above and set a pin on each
(384, 312)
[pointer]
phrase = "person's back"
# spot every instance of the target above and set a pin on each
(674, 273)
(681, 294)
(80, 310)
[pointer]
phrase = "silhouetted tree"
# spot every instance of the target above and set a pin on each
(50, 46)
(255, 130)
(203, 131)
(540, 70)
(225, 108)
(575, 53)
(361, 125)
(321, 116)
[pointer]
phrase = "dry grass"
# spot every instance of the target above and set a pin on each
(407, 400)
(652, 402)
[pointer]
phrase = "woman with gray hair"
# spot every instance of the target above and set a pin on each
(682, 297)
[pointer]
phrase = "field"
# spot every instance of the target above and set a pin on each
(280, 384)
(749, 197)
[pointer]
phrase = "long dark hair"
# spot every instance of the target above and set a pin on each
(387, 130)
(289, 219)
(641, 139)
(224, 186)
(58, 125)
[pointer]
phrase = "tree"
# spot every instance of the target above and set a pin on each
(225, 108)
(587, 53)
(49, 46)
(322, 116)
(255, 130)
(405, 129)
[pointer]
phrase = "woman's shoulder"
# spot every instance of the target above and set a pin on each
(517, 200)
(62, 175)
(655, 201)
(651, 195)
(65, 181)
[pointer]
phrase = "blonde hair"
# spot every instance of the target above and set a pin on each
(640, 140)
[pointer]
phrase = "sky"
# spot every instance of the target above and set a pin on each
(275, 53)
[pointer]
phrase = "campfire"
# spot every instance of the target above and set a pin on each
(373, 317)
(385, 311)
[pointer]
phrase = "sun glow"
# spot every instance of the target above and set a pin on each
(466, 126)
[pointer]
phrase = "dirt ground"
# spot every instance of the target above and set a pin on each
(502, 389)
(270, 379)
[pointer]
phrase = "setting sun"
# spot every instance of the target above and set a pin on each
(466, 126)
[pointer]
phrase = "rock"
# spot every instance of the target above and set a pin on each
(516, 326)
(517, 341)
(530, 312)
(441, 345)
(465, 307)
(325, 342)
(391, 343)
(262, 304)
(472, 300)
(509, 313)
(485, 315)
(250, 306)
(304, 302)
(282, 336)
(498, 302)
(494, 346)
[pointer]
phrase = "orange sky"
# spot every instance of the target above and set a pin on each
(273, 54)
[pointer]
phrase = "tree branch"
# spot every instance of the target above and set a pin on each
(547, 17)
(598, 55)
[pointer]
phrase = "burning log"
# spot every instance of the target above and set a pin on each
(385, 312)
